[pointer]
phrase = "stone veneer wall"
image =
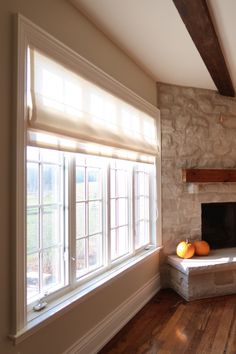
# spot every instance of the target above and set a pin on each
(198, 131)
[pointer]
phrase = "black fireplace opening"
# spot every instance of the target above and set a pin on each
(219, 224)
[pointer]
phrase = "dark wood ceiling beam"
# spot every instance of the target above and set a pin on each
(196, 17)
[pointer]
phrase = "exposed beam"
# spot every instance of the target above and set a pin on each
(197, 19)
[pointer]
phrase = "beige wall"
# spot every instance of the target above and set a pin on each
(63, 21)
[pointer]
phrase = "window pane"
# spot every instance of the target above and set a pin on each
(80, 160)
(32, 153)
(32, 229)
(119, 242)
(141, 229)
(122, 164)
(94, 183)
(142, 234)
(94, 161)
(80, 257)
(52, 275)
(113, 212)
(80, 219)
(32, 275)
(50, 156)
(146, 185)
(122, 211)
(122, 183)
(146, 208)
(147, 231)
(113, 183)
(122, 241)
(141, 205)
(95, 251)
(141, 183)
(51, 226)
(32, 183)
(137, 235)
(95, 219)
(50, 184)
(113, 244)
(143, 208)
(80, 183)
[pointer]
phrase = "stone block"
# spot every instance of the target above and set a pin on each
(202, 277)
(223, 278)
(205, 104)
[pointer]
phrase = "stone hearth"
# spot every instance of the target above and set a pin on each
(202, 277)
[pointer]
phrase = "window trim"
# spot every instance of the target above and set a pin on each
(28, 34)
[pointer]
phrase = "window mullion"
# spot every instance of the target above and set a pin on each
(150, 221)
(108, 223)
(86, 219)
(65, 217)
(117, 226)
(152, 207)
(72, 220)
(40, 223)
(132, 199)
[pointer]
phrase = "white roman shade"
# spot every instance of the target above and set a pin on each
(72, 113)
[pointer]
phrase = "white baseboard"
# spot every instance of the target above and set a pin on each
(100, 334)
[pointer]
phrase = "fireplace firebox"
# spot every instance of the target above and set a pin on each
(219, 224)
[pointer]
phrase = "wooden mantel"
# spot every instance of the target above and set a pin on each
(196, 175)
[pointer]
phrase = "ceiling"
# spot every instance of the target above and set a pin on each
(152, 33)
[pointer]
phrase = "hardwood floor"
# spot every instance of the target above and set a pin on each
(170, 325)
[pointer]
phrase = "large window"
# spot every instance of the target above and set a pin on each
(85, 214)
(87, 177)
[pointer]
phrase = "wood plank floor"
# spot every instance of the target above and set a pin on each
(170, 325)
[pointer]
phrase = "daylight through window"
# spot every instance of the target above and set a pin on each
(98, 206)
(91, 180)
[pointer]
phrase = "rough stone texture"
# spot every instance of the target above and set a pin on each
(198, 286)
(224, 278)
(198, 131)
(201, 277)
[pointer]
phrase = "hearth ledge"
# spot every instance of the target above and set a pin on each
(202, 277)
(220, 259)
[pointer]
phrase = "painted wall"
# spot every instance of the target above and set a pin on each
(64, 22)
(198, 131)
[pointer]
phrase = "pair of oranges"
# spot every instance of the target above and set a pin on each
(186, 249)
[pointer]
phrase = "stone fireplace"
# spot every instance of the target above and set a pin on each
(198, 131)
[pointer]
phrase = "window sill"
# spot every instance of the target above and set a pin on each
(57, 308)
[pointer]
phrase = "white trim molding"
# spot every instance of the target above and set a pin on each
(99, 335)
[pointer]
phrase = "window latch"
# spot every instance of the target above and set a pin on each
(41, 304)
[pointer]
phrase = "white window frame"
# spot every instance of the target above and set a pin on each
(67, 167)
(28, 34)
